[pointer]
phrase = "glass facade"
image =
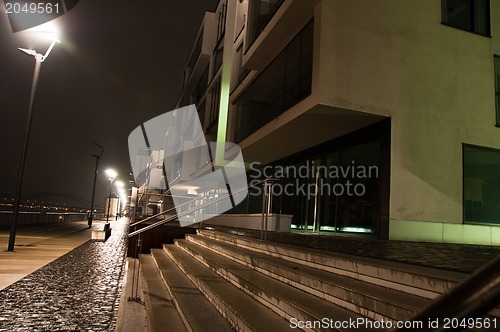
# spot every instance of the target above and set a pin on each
(340, 192)
(194, 58)
(214, 107)
(497, 87)
(240, 72)
(285, 82)
(468, 15)
(217, 58)
(221, 22)
(481, 183)
(260, 13)
(338, 186)
(201, 87)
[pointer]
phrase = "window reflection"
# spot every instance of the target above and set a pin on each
(481, 185)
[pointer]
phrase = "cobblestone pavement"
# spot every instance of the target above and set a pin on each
(454, 257)
(79, 291)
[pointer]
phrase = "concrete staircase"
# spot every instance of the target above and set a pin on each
(262, 286)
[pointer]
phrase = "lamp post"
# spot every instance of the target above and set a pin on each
(111, 177)
(39, 58)
(97, 157)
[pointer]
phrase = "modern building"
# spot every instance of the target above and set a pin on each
(388, 109)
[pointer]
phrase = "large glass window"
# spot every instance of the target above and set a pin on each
(201, 87)
(497, 87)
(468, 15)
(240, 72)
(338, 186)
(285, 82)
(221, 24)
(330, 189)
(214, 107)
(217, 58)
(260, 13)
(481, 183)
(194, 58)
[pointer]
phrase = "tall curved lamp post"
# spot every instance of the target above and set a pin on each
(111, 174)
(39, 58)
(97, 157)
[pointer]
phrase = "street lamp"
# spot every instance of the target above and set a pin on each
(97, 157)
(111, 173)
(39, 58)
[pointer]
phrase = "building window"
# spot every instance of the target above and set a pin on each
(284, 83)
(217, 59)
(239, 72)
(260, 13)
(194, 58)
(481, 185)
(201, 87)
(332, 209)
(497, 87)
(468, 15)
(214, 107)
(221, 22)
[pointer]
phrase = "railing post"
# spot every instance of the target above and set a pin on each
(266, 208)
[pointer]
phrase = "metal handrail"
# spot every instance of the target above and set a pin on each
(472, 299)
(213, 201)
(151, 217)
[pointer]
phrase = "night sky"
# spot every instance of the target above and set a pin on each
(118, 65)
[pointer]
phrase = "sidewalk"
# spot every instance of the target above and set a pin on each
(80, 290)
(77, 284)
(36, 246)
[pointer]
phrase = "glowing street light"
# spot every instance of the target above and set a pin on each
(47, 30)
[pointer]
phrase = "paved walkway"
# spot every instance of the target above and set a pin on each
(77, 284)
(79, 291)
(38, 245)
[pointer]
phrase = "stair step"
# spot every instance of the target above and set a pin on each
(197, 313)
(417, 280)
(286, 300)
(159, 305)
(362, 298)
(241, 310)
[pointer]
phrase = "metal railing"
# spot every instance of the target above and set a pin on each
(39, 217)
(465, 306)
(199, 207)
(267, 201)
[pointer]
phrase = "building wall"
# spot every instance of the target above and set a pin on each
(395, 58)
(388, 58)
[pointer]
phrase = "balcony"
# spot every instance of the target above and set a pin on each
(199, 57)
(271, 28)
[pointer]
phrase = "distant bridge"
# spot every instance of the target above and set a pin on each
(49, 201)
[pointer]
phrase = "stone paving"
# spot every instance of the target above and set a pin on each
(79, 291)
